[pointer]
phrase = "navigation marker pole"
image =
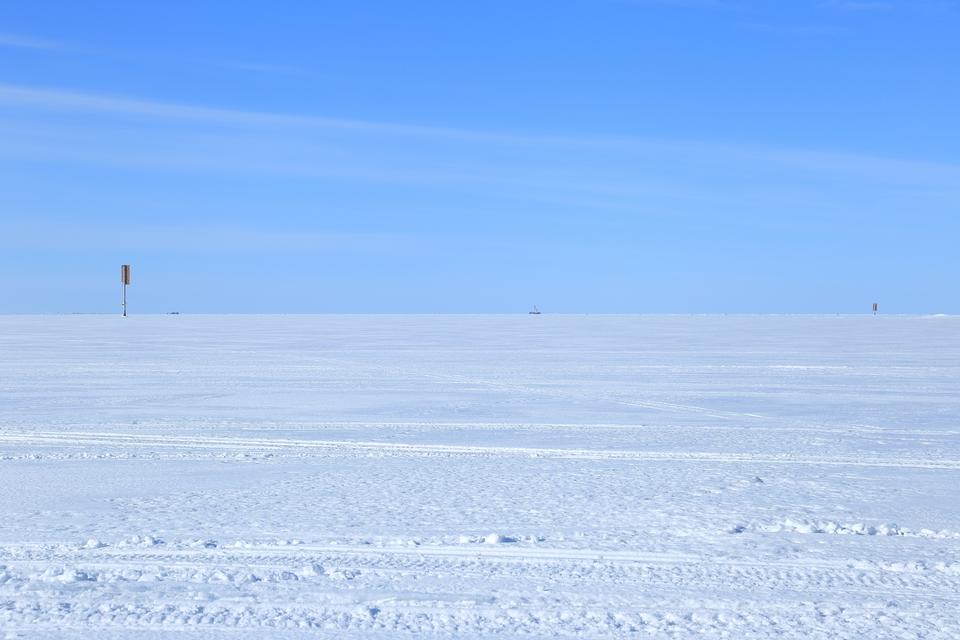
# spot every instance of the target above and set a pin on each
(125, 279)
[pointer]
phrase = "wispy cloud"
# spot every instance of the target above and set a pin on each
(130, 134)
(17, 41)
(59, 100)
(889, 5)
(862, 5)
(794, 30)
(20, 41)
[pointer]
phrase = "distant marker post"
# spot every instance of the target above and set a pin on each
(125, 280)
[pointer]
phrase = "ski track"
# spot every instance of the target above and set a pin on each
(381, 477)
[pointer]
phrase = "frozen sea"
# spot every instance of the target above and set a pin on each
(477, 476)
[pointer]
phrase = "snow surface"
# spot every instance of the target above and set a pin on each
(466, 476)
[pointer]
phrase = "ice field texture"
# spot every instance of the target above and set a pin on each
(477, 476)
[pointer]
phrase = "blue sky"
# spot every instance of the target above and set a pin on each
(581, 155)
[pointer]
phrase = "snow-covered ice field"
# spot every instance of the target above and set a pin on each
(467, 476)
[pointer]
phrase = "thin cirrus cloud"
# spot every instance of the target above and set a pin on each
(59, 100)
(456, 168)
(658, 177)
(308, 133)
(794, 30)
(16, 41)
(860, 5)
(75, 101)
(27, 42)
(890, 5)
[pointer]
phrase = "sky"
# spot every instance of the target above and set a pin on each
(584, 156)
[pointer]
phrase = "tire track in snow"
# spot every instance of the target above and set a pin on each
(483, 560)
(504, 552)
(416, 589)
(350, 447)
(267, 426)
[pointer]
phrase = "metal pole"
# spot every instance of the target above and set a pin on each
(125, 280)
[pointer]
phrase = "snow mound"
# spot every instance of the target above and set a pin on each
(789, 525)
